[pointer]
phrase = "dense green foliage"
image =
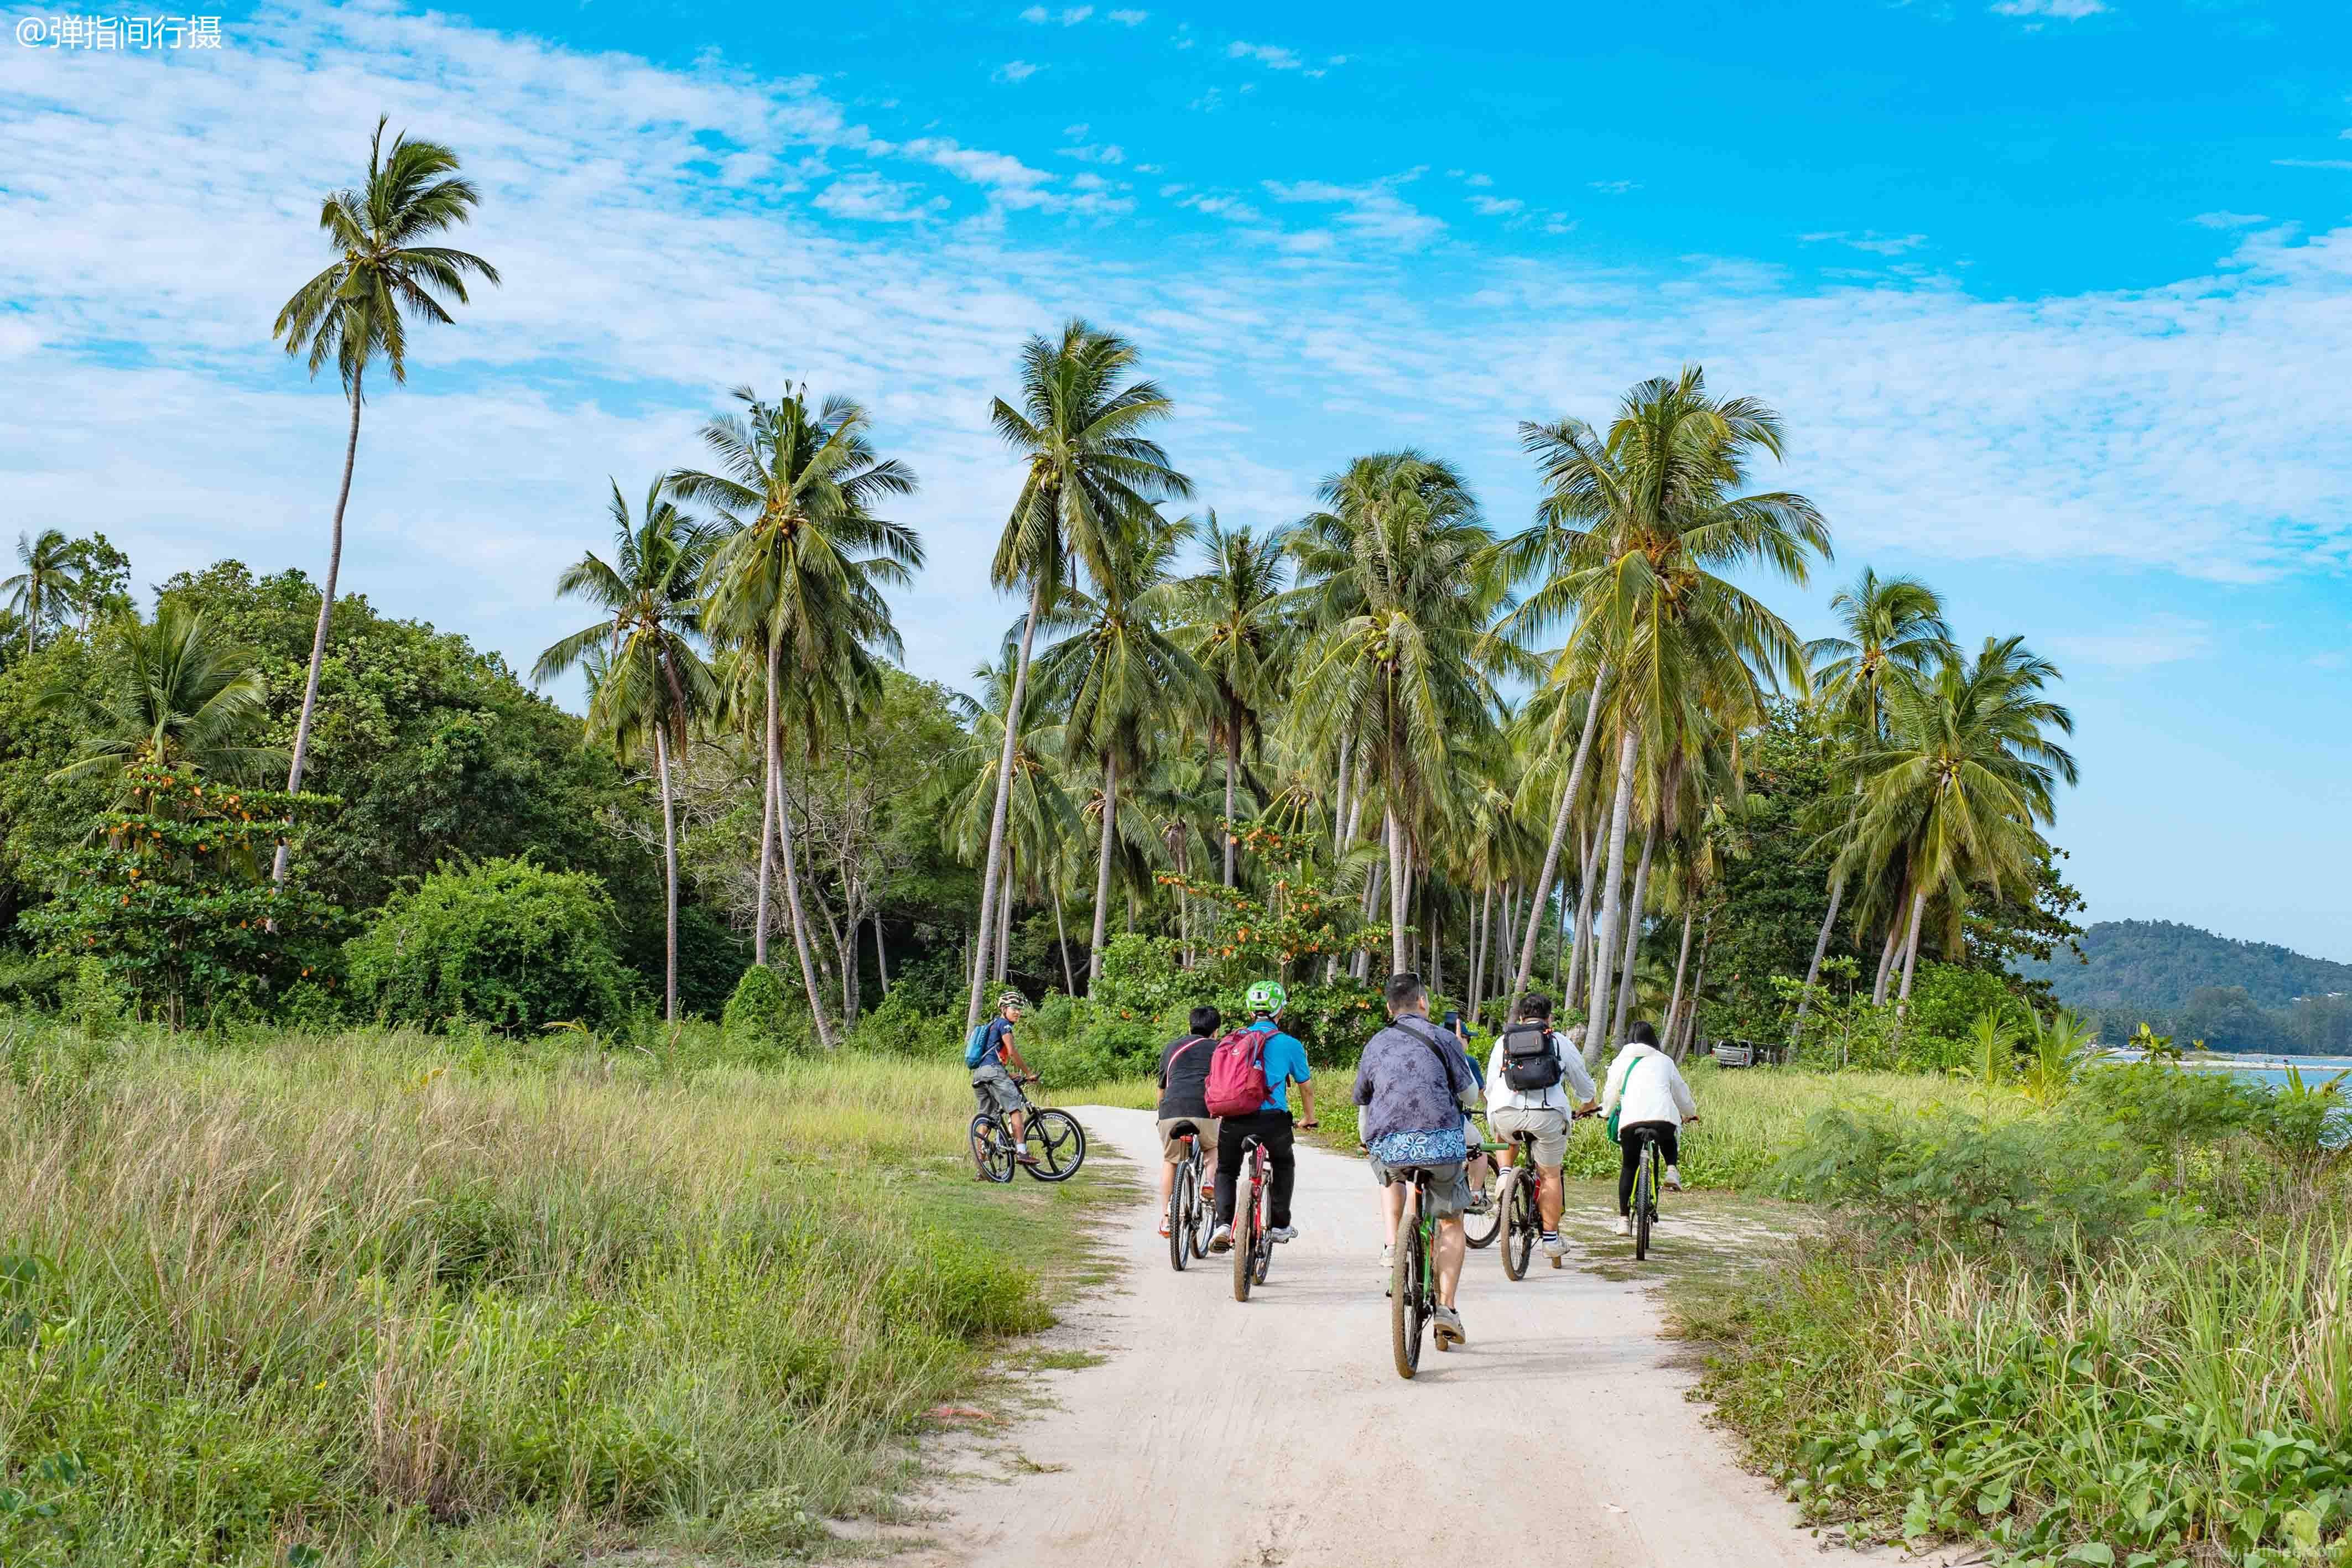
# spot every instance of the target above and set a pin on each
(2193, 985)
(760, 1020)
(508, 943)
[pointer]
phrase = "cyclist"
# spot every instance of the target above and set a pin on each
(1284, 1060)
(1481, 1170)
(1524, 1077)
(1184, 1099)
(1413, 1085)
(1646, 1090)
(992, 1085)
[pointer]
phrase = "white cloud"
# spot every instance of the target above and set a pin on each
(1870, 240)
(868, 196)
(2058, 10)
(1209, 101)
(1015, 70)
(1612, 187)
(1494, 206)
(2228, 220)
(1148, 169)
(1273, 56)
(1110, 154)
(1036, 14)
(1478, 179)
(1076, 14)
(1131, 18)
(2136, 645)
(2339, 164)
(1372, 211)
(1231, 208)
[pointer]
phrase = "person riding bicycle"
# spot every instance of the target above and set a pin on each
(1184, 1099)
(1413, 1085)
(1285, 1061)
(1647, 1093)
(1525, 1077)
(995, 1087)
(1481, 1169)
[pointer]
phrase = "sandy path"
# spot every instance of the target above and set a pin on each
(1218, 1433)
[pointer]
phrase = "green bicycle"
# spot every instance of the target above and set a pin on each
(1412, 1273)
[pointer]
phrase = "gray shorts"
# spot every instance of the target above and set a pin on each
(1449, 1185)
(1203, 1127)
(995, 1088)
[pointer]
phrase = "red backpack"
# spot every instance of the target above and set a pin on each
(1237, 1073)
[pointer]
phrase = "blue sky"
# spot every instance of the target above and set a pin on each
(2055, 295)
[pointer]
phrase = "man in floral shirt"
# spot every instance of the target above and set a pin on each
(1413, 1087)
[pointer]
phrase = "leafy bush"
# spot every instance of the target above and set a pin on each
(2038, 1189)
(32, 980)
(760, 1020)
(1141, 979)
(92, 1000)
(507, 942)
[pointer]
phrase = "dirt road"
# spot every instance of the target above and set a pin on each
(1216, 1434)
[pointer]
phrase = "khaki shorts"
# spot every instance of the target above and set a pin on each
(1172, 1128)
(1449, 1185)
(1549, 1127)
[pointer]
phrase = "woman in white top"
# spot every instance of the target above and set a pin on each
(1646, 1090)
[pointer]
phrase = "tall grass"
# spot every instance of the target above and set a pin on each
(390, 1297)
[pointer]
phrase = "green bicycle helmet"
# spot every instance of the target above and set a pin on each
(1266, 999)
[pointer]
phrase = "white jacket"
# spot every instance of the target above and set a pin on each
(1501, 1096)
(1644, 1086)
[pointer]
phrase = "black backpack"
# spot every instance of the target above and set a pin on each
(1530, 1062)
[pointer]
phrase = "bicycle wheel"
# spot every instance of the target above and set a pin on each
(1203, 1211)
(1182, 1199)
(1245, 1236)
(1480, 1230)
(1058, 1142)
(1519, 1206)
(1642, 1210)
(1264, 1242)
(1407, 1311)
(992, 1152)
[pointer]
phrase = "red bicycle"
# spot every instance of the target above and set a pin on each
(1253, 1249)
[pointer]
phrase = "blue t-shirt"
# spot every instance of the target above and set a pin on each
(993, 1040)
(1286, 1063)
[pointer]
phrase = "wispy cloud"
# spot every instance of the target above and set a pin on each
(1068, 18)
(1131, 18)
(1870, 240)
(1273, 56)
(867, 198)
(2056, 10)
(1014, 71)
(2227, 220)
(2137, 645)
(1495, 206)
(2313, 162)
(1612, 187)
(1109, 153)
(1371, 210)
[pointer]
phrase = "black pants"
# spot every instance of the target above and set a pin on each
(1271, 1128)
(1629, 1155)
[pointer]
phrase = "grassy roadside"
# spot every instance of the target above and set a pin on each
(388, 1299)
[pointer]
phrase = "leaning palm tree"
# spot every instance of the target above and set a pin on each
(1651, 525)
(355, 312)
(653, 685)
(799, 572)
(1118, 677)
(47, 583)
(171, 693)
(1401, 580)
(1042, 817)
(1233, 620)
(1890, 631)
(1092, 478)
(1958, 789)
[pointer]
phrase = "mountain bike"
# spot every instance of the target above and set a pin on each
(1188, 1218)
(1515, 1199)
(1253, 1249)
(1648, 1175)
(1053, 1140)
(1480, 1230)
(1413, 1277)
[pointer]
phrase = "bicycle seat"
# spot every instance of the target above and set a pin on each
(1183, 1129)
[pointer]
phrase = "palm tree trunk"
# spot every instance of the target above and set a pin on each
(1396, 888)
(319, 635)
(1478, 949)
(1583, 925)
(1343, 827)
(1911, 954)
(1062, 936)
(1820, 947)
(792, 895)
(881, 954)
(1674, 1007)
(1436, 935)
(1004, 792)
(1886, 959)
(1633, 932)
(1698, 984)
(1559, 832)
(1232, 763)
(1604, 950)
(1102, 866)
(669, 880)
(771, 749)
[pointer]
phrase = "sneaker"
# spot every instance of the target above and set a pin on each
(1447, 1324)
(1221, 1239)
(1283, 1233)
(1673, 1178)
(1624, 1225)
(1554, 1248)
(1163, 1225)
(1026, 1160)
(1481, 1202)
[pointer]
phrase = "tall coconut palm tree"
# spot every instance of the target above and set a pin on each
(1118, 677)
(1233, 620)
(799, 572)
(654, 686)
(1653, 525)
(1890, 630)
(50, 577)
(171, 693)
(1402, 582)
(356, 312)
(1091, 479)
(1040, 815)
(1958, 787)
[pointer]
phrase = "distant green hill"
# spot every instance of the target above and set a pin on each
(2158, 963)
